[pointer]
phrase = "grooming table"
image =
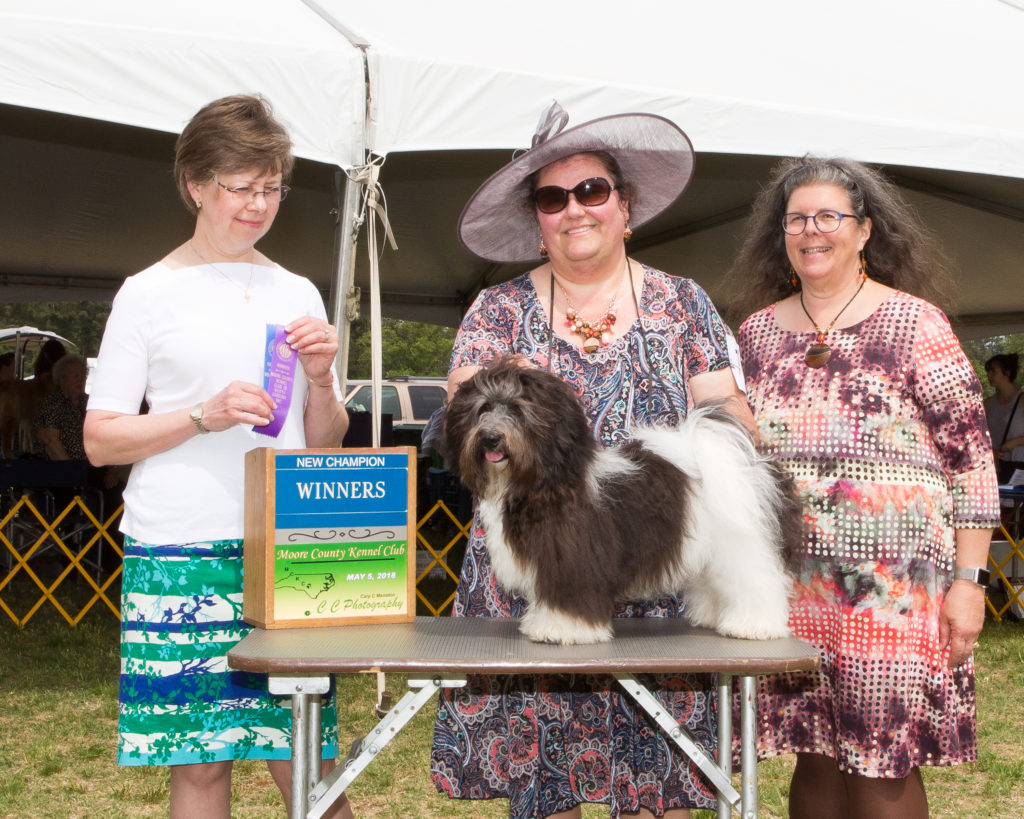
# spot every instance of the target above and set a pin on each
(439, 652)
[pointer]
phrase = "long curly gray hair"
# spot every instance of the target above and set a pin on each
(901, 252)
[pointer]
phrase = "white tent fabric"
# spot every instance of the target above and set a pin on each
(903, 83)
(152, 65)
(908, 83)
(927, 88)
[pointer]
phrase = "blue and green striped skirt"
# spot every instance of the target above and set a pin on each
(181, 612)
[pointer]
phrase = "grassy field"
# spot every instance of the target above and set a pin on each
(58, 719)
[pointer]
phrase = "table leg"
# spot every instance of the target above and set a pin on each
(303, 691)
(748, 748)
(679, 735)
(301, 729)
(332, 786)
(314, 745)
(724, 738)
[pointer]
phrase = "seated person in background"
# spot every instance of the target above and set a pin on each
(59, 418)
(57, 427)
(20, 400)
(42, 369)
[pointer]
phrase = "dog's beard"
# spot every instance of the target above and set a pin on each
(498, 451)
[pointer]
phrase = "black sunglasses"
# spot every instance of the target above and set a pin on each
(590, 192)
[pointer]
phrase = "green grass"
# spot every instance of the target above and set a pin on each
(58, 725)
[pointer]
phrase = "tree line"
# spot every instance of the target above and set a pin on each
(409, 347)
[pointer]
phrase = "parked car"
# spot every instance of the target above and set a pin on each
(409, 400)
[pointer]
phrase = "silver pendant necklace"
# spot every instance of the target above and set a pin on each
(252, 270)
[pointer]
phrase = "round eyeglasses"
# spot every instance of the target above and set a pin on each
(826, 221)
(247, 193)
(590, 192)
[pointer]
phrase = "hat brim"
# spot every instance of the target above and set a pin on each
(655, 157)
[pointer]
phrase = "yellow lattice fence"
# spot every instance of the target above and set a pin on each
(75, 537)
(439, 533)
(39, 555)
(1003, 572)
(70, 544)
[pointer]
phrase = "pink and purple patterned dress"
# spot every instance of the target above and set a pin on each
(890, 450)
(547, 743)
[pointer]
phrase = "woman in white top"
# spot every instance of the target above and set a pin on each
(190, 336)
(1005, 413)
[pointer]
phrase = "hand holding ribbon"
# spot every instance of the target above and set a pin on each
(316, 342)
(238, 403)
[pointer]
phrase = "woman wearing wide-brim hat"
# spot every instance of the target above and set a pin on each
(638, 346)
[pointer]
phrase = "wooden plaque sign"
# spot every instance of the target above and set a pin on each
(330, 536)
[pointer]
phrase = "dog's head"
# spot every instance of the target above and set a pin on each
(520, 422)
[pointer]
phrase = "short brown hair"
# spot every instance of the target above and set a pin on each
(229, 135)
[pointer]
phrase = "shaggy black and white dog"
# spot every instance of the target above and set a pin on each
(572, 527)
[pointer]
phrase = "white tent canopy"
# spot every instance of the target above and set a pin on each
(928, 89)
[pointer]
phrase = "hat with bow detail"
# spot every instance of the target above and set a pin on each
(655, 156)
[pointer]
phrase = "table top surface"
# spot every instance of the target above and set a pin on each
(457, 645)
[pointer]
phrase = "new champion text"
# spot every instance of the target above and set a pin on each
(334, 461)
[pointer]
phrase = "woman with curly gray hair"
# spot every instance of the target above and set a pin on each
(861, 390)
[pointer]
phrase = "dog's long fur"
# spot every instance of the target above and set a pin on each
(572, 527)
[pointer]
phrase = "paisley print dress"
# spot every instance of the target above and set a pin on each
(890, 450)
(547, 743)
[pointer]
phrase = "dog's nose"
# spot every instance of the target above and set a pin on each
(491, 440)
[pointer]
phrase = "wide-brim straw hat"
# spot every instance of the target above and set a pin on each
(655, 156)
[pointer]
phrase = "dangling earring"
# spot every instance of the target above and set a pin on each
(543, 250)
(627, 234)
(793, 280)
(863, 266)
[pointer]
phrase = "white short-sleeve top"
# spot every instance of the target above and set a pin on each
(177, 337)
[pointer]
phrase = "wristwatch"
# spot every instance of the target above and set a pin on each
(979, 576)
(196, 414)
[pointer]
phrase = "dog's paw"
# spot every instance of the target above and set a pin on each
(542, 624)
(747, 629)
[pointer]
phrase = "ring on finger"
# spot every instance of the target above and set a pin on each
(327, 335)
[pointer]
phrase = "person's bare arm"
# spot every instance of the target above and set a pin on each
(720, 385)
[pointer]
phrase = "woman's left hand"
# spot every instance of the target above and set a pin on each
(963, 611)
(316, 342)
(960, 620)
(324, 419)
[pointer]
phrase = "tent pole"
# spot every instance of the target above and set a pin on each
(346, 228)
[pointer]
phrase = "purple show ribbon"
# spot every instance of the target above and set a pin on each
(278, 377)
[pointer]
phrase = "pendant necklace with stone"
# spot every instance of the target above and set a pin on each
(245, 290)
(596, 334)
(819, 353)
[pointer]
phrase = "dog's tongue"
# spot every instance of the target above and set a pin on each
(494, 457)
